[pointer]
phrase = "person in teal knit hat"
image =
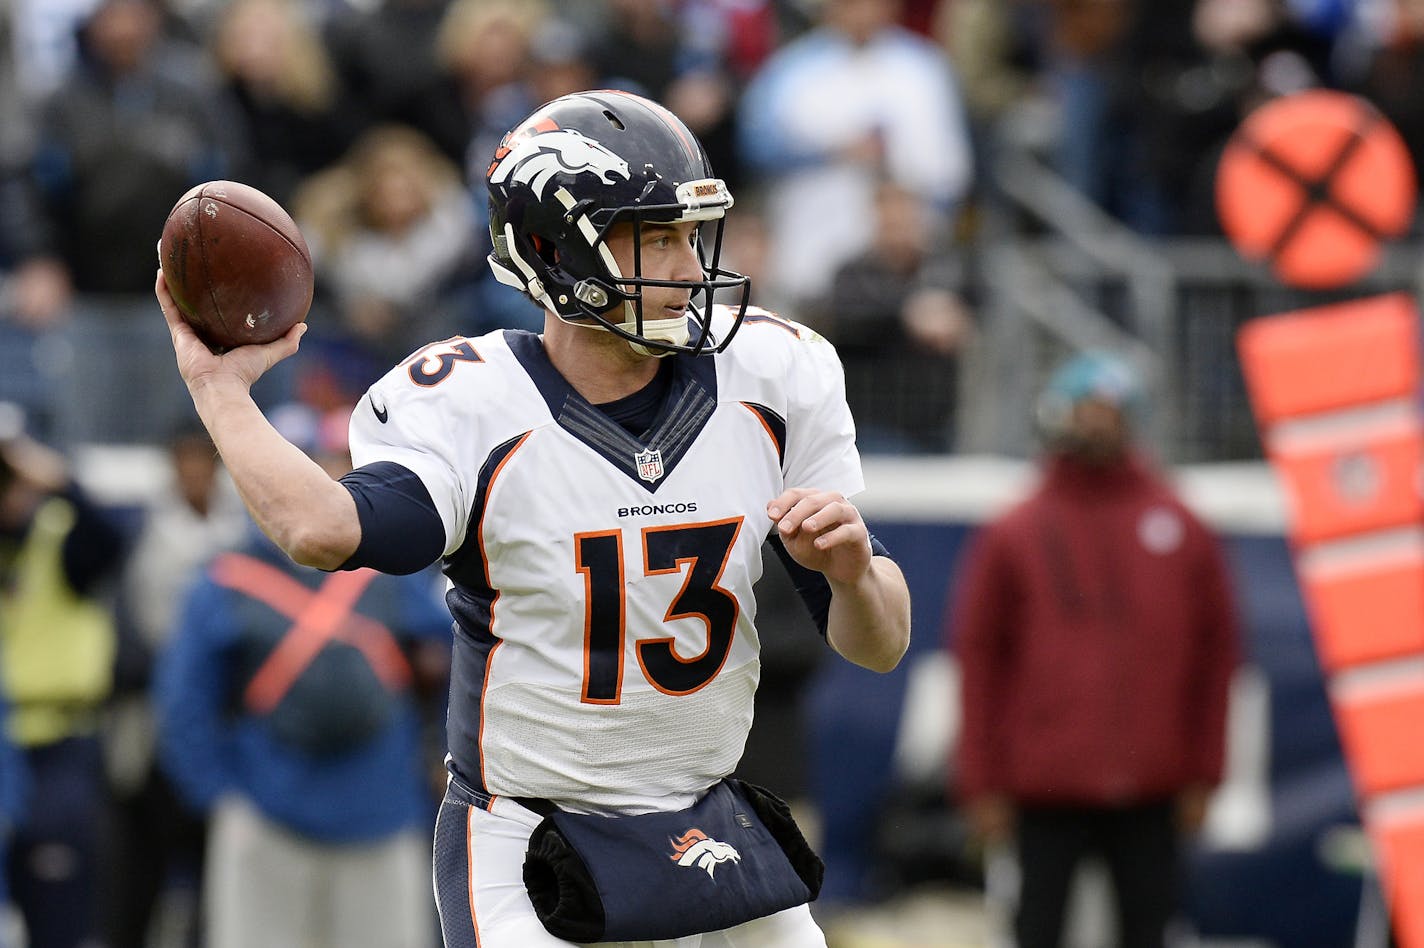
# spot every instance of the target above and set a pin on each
(1097, 637)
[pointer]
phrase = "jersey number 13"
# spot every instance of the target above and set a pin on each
(704, 548)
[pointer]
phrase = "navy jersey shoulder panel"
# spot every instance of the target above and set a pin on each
(775, 426)
(702, 369)
(466, 567)
(401, 531)
(474, 645)
(471, 602)
(530, 352)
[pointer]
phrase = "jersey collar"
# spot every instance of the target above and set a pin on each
(648, 460)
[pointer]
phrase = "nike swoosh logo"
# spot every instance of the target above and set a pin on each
(382, 414)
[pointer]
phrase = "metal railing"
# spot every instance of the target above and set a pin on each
(1058, 275)
(105, 376)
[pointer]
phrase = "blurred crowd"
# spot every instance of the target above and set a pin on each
(204, 743)
(858, 137)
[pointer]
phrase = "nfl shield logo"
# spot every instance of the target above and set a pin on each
(650, 464)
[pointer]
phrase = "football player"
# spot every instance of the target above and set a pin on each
(598, 495)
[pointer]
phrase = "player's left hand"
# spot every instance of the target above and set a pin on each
(822, 531)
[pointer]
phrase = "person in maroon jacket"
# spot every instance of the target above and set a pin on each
(1097, 638)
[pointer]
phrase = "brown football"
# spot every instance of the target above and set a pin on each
(236, 264)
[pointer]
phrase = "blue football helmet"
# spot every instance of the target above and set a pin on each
(572, 170)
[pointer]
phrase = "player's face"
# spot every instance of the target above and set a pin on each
(668, 252)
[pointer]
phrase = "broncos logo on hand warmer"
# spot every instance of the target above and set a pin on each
(696, 848)
(536, 159)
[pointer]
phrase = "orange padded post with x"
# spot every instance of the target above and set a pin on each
(1335, 392)
(1370, 610)
(1399, 843)
(1331, 357)
(1350, 481)
(1380, 731)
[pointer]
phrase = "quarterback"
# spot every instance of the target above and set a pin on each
(599, 496)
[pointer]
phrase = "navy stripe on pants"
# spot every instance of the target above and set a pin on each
(452, 874)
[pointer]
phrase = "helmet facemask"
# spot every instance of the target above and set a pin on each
(656, 336)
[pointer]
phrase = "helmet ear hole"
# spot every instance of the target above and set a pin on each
(545, 249)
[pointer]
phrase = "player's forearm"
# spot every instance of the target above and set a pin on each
(869, 620)
(306, 513)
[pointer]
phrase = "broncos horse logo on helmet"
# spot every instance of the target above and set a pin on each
(564, 176)
(536, 160)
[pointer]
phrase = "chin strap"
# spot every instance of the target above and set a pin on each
(672, 331)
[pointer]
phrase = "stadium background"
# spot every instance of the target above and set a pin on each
(1048, 272)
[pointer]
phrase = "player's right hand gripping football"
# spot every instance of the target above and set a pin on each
(198, 364)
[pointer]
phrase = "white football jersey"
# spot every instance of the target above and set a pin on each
(606, 653)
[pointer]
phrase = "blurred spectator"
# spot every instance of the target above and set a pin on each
(998, 51)
(136, 124)
(14, 803)
(828, 115)
(33, 290)
(1394, 72)
(32, 295)
(58, 643)
(991, 44)
(639, 47)
(385, 55)
(560, 63)
(298, 118)
(662, 50)
(133, 124)
(287, 702)
(153, 885)
(899, 304)
(482, 51)
(189, 520)
(43, 37)
(480, 84)
(389, 229)
(739, 34)
(1097, 638)
(1090, 63)
(1203, 65)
